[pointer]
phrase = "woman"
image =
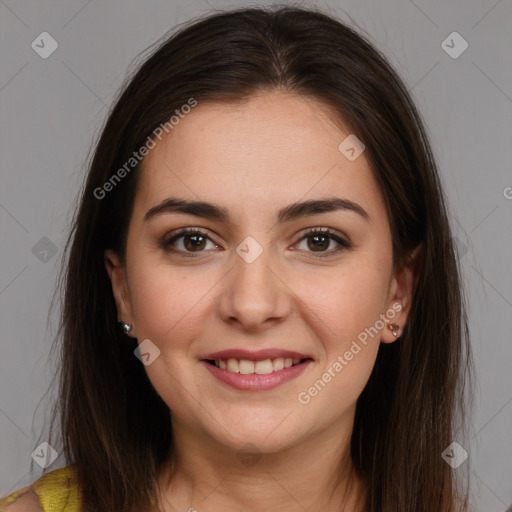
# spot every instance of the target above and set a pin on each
(264, 219)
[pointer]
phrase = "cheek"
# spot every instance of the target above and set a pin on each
(169, 310)
(344, 320)
(167, 300)
(344, 316)
(345, 304)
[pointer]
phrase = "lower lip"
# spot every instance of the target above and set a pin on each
(253, 381)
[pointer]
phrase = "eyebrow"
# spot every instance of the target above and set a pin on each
(288, 213)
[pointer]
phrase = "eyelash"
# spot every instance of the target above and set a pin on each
(167, 242)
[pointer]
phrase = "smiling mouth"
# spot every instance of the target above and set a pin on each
(261, 367)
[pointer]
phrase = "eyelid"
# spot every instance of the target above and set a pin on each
(321, 230)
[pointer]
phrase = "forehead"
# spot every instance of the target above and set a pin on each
(255, 157)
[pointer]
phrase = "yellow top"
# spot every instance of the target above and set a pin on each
(57, 492)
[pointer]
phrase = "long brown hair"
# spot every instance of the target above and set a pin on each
(115, 427)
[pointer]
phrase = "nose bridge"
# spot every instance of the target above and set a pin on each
(254, 293)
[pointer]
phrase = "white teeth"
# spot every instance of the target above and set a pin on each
(232, 366)
(246, 366)
(263, 367)
(278, 364)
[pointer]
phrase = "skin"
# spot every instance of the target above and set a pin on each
(255, 158)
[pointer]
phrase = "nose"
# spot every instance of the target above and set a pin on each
(255, 295)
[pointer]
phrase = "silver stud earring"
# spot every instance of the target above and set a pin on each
(125, 328)
(395, 329)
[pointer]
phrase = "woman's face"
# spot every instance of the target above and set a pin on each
(256, 284)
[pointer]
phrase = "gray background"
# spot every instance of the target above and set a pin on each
(52, 110)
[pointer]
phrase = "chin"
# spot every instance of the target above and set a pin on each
(264, 438)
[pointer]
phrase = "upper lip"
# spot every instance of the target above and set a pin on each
(258, 355)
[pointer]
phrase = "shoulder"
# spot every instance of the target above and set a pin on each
(21, 501)
(56, 491)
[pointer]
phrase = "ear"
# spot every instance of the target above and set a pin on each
(117, 274)
(400, 294)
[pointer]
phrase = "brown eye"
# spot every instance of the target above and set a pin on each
(187, 241)
(318, 242)
(193, 242)
(324, 242)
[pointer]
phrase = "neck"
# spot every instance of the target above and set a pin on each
(313, 474)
